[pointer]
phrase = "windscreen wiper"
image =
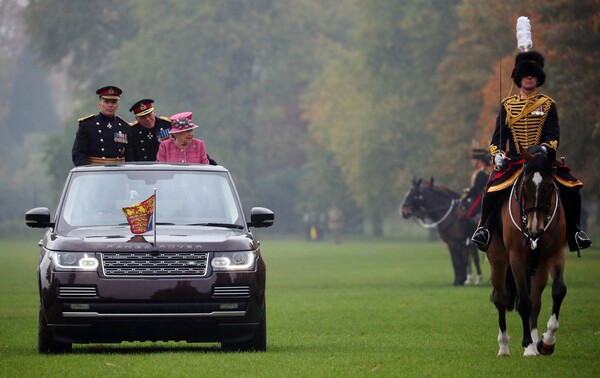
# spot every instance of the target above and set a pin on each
(225, 225)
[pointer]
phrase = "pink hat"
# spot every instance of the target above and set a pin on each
(182, 122)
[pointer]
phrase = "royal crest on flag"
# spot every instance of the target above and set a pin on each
(140, 216)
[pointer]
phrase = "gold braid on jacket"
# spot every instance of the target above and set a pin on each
(526, 128)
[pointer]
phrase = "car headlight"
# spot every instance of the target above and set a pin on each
(233, 261)
(74, 260)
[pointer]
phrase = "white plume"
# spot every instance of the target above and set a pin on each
(524, 42)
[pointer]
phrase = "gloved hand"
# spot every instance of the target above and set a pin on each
(500, 161)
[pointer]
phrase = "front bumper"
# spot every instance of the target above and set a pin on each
(87, 308)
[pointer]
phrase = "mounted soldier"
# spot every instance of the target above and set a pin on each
(472, 197)
(526, 119)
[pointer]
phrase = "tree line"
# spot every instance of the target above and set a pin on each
(312, 104)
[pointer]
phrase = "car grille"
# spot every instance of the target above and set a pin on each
(145, 264)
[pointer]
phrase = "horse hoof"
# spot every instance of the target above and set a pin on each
(545, 349)
(531, 351)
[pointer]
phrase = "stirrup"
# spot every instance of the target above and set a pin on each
(582, 240)
(481, 238)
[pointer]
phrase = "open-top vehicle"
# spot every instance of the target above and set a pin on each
(198, 276)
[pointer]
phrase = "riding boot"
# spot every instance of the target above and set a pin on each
(482, 235)
(576, 238)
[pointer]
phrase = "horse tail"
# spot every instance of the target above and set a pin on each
(511, 290)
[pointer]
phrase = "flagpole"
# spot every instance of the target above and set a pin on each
(154, 221)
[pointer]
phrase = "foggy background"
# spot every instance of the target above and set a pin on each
(310, 104)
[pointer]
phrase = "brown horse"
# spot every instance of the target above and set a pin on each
(428, 202)
(528, 249)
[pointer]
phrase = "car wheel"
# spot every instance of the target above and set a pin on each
(46, 343)
(258, 343)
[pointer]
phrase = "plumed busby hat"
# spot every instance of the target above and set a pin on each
(529, 63)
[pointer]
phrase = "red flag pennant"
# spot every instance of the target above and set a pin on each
(139, 216)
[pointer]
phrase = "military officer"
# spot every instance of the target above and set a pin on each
(148, 130)
(480, 159)
(104, 137)
(527, 119)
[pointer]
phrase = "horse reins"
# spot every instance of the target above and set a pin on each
(523, 211)
(443, 218)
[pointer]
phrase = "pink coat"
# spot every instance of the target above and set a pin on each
(194, 153)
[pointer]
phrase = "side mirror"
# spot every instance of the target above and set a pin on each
(261, 217)
(38, 218)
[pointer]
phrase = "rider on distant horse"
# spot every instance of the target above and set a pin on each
(473, 195)
(527, 119)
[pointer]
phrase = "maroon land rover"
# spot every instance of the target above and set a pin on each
(199, 277)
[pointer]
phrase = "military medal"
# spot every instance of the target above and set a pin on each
(538, 112)
(162, 134)
(120, 137)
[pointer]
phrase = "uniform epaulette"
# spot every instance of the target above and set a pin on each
(86, 117)
(121, 118)
(133, 123)
(165, 118)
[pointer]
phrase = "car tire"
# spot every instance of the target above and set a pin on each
(46, 343)
(258, 342)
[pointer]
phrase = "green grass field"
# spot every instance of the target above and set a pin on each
(361, 308)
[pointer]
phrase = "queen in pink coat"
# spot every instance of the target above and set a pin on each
(183, 147)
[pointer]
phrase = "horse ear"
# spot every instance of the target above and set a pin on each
(523, 152)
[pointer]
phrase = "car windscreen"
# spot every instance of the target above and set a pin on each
(97, 199)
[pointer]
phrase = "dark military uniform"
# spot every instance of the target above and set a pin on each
(528, 121)
(145, 141)
(525, 121)
(475, 194)
(102, 138)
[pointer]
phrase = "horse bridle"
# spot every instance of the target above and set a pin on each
(422, 209)
(524, 211)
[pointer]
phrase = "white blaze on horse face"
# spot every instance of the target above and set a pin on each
(537, 180)
(404, 210)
